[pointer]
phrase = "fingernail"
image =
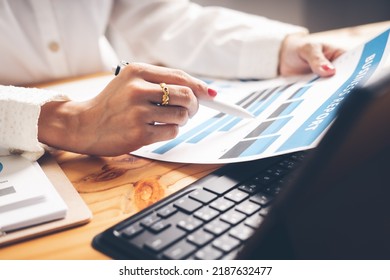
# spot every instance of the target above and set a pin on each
(327, 67)
(212, 92)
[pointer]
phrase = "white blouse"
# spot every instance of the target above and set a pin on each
(44, 40)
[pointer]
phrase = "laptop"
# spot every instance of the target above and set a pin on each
(331, 202)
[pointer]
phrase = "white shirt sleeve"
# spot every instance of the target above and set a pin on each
(210, 41)
(207, 41)
(19, 113)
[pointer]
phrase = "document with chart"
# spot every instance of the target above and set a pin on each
(292, 114)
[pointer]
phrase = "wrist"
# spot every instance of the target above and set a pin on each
(58, 124)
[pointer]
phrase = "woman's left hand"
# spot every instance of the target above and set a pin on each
(300, 54)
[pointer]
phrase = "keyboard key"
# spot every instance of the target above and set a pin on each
(208, 253)
(233, 217)
(131, 230)
(263, 179)
(159, 226)
(236, 195)
(248, 207)
(264, 211)
(261, 199)
(288, 164)
(272, 190)
(200, 237)
(242, 232)
(176, 217)
(166, 211)
(162, 240)
(189, 224)
(254, 221)
(149, 220)
(206, 214)
(276, 172)
(221, 185)
(233, 254)
(203, 196)
(225, 243)
(217, 227)
(299, 156)
(187, 205)
(249, 188)
(221, 204)
(180, 250)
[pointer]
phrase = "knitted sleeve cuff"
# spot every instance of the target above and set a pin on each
(19, 113)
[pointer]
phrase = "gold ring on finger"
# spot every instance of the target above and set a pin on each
(165, 96)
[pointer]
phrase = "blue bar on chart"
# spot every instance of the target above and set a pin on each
(204, 129)
(259, 109)
(211, 129)
(285, 109)
(302, 90)
(229, 126)
(269, 97)
(269, 127)
(251, 147)
(185, 136)
(257, 106)
(251, 98)
(254, 100)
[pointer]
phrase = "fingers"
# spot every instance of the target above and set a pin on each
(313, 54)
(301, 54)
(182, 88)
(319, 56)
(158, 74)
(131, 106)
(160, 132)
(166, 115)
(181, 98)
(178, 96)
(162, 122)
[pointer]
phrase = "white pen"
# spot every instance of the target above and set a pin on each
(227, 108)
(224, 107)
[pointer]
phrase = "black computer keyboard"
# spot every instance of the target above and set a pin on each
(210, 219)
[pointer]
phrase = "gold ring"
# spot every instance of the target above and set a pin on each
(165, 97)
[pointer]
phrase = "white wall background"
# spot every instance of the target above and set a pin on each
(317, 15)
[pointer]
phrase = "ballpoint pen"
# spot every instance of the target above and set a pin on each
(224, 107)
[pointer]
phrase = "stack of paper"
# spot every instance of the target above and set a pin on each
(27, 197)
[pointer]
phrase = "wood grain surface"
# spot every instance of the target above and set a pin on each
(115, 188)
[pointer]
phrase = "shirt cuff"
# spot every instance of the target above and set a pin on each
(19, 113)
(259, 57)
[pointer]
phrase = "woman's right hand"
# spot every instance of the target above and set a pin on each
(126, 115)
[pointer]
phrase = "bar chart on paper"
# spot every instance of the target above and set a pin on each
(291, 113)
(227, 138)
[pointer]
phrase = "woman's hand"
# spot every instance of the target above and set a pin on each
(126, 115)
(300, 54)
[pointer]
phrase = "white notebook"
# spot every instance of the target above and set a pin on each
(27, 197)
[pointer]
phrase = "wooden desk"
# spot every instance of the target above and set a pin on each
(117, 187)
